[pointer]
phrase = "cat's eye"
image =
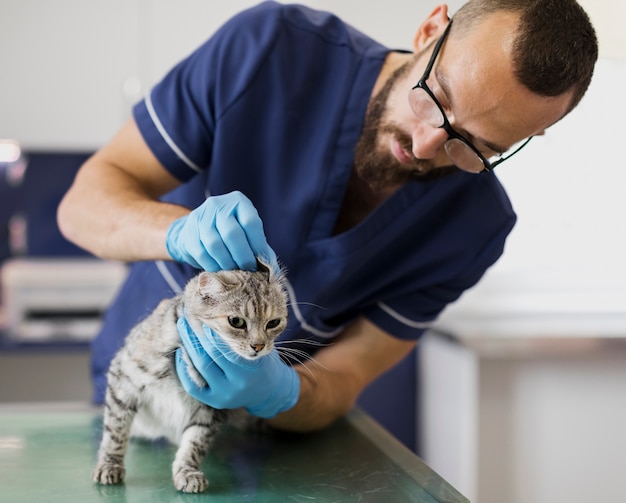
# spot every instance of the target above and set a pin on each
(237, 322)
(272, 324)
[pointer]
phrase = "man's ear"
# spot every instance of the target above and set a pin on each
(432, 28)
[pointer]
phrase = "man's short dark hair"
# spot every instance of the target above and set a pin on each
(555, 48)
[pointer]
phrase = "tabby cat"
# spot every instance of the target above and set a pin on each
(248, 309)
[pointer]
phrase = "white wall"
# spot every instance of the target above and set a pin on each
(608, 18)
(71, 69)
(393, 22)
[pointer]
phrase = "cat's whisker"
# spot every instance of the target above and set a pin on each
(206, 367)
(295, 351)
(304, 341)
(277, 356)
(229, 353)
(303, 363)
(302, 357)
(298, 355)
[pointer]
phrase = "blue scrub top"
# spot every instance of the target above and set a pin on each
(273, 105)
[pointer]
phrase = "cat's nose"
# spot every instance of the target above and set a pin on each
(257, 347)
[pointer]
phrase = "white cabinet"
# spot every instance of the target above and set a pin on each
(537, 418)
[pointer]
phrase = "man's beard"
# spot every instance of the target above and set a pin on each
(381, 170)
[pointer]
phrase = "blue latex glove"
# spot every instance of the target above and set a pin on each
(223, 233)
(265, 386)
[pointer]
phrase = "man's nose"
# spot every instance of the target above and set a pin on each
(428, 141)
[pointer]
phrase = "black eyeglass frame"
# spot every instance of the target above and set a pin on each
(446, 126)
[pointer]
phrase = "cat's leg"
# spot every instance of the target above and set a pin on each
(197, 438)
(120, 409)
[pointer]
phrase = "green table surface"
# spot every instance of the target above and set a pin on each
(47, 454)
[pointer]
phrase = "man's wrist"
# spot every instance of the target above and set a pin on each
(171, 238)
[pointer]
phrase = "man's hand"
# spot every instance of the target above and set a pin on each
(224, 233)
(265, 386)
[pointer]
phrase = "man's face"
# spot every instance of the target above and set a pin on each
(473, 80)
(383, 155)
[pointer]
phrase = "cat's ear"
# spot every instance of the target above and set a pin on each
(264, 268)
(210, 283)
(272, 273)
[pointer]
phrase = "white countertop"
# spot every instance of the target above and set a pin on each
(540, 312)
(540, 303)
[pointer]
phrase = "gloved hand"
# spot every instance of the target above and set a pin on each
(223, 233)
(265, 386)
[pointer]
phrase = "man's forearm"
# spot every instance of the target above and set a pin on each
(131, 231)
(323, 399)
(112, 209)
(331, 383)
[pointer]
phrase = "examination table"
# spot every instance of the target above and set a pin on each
(48, 451)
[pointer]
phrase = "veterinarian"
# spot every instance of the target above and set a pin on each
(368, 173)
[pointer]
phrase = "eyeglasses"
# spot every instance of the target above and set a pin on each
(427, 108)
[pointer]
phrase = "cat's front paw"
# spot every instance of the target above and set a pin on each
(109, 473)
(190, 481)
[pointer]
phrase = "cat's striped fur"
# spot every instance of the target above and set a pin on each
(143, 388)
